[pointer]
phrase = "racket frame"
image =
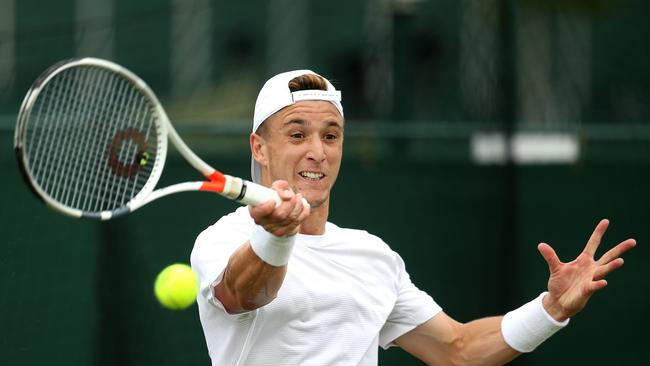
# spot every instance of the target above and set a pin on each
(228, 186)
(21, 129)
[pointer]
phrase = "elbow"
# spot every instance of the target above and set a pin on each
(249, 302)
(238, 298)
(247, 286)
(466, 350)
(457, 346)
(251, 294)
(458, 351)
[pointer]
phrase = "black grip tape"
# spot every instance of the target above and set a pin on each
(242, 193)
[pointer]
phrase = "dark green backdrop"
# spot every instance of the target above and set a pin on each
(80, 292)
(76, 292)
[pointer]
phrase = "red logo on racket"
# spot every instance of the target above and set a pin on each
(127, 153)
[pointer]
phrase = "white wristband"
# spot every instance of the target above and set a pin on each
(272, 249)
(527, 327)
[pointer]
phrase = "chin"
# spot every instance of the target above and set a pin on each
(315, 204)
(315, 201)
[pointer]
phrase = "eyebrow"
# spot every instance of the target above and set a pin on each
(295, 121)
(302, 122)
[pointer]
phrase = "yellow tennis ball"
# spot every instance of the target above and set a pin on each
(176, 286)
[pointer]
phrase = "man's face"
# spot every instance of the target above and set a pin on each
(302, 144)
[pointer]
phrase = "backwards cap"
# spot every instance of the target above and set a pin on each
(275, 95)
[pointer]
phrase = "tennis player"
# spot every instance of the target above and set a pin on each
(283, 286)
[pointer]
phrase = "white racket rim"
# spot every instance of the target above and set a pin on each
(161, 123)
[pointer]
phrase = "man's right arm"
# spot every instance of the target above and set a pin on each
(250, 282)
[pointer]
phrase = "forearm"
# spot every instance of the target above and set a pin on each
(444, 341)
(483, 344)
(500, 339)
(248, 282)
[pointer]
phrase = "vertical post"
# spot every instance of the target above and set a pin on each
(7, 46)
(113, 334)
(401, 111)
(378, 80)
(191, 58)
(94, 31)
(510, 190)
(402, 11)
(287, 27)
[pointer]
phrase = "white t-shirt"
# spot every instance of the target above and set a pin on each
(345, 293)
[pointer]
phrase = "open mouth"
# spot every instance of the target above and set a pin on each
(312, 175)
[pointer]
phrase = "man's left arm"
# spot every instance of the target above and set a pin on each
(443, 341)
(497, 340)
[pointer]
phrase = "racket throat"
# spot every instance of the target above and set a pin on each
(245, 192)
(233, 188)
(227, 186)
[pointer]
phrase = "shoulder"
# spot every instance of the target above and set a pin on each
(354, 234)
(360, 238)
(217, 242)
(240, 216)
(238, 222)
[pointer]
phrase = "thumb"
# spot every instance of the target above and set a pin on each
(283, 189)
(549, 256)
(261, 210)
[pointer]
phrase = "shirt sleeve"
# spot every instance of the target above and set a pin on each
(412, 308)
(212, 250)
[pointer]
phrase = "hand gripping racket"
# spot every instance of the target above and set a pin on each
(91, 141)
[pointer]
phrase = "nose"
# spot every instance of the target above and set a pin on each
(316, 150)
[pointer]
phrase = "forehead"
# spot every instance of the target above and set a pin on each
(308, 111)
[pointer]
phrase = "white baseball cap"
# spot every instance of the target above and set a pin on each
(275, 95)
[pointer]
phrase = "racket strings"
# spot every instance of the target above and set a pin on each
(100, 110)
(86, 180)
(49, 174)
(53, 115)
(70, 186)
(82, 185)
(91, 139)
(141, 112)
(136, 112)
(60, 185)
(106, 181)
(116, 177)
(56, 119)
(124, 153)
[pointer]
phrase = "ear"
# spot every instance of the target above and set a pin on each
(258, 148)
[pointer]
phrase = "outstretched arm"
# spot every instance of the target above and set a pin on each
(443, 341)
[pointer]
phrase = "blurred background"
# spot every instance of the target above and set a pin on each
(507, 122)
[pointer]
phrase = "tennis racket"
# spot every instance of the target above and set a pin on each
(91, 141)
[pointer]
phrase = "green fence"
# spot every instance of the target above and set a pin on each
(80, 292)
(77, 292)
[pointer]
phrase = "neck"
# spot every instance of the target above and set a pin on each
(315, 223)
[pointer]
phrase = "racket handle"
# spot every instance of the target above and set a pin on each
(256, 194)
(249, 193)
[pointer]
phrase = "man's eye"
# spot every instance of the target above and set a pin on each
(331, 136)
(297, 135)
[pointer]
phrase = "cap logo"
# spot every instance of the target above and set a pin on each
(333, 96)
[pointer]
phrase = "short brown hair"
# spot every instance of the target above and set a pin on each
(307, 82)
